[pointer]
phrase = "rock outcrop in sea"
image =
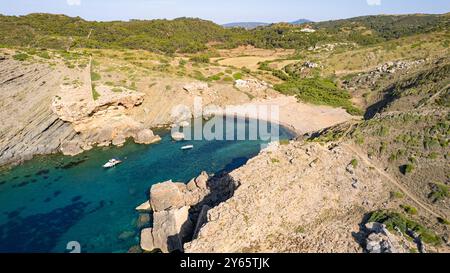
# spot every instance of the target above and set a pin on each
(179, 210)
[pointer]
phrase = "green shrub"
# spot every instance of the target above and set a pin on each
(299, 229)
(95, 76)
(409, 209)
(199, 76)
(318, 91)
(281, 75)
(396, 195)
(237, 76)
(216, 77)
(407, 169)
(433, 155)
(394, 220)
(44, 55)
(265, 66)
(284, 142)
(354, 163)
(438, 192)
(443, 221)
(95, 94)
(21, 57)
(182, 63)
(200, 58)
(246, 70)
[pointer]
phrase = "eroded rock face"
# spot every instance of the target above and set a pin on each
(30, 127)
(171, 228)
(101, 121)
(178, 208)
(126, 98)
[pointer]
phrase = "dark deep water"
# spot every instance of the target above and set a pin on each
(52, 200)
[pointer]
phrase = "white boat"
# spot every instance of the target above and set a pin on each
(187, 147)
(111, 163)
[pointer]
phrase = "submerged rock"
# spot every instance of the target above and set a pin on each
(71, 148)
(178, 136)
(143, 220)
(144, 207)
(126, 235)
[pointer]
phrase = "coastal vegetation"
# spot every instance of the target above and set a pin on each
(394, 221)
(318, 91)
(189, 35)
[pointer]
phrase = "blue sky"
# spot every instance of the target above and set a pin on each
(223, 11)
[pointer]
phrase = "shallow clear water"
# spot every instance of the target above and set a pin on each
(52, 200)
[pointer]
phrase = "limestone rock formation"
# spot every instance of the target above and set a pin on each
(296, 197)
(178, 208)
(252, 84)
(170, 230)
(178, 136)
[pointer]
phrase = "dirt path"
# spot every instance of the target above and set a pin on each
(394, 182)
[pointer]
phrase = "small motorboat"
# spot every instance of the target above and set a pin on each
(111, 163)
(187, 147)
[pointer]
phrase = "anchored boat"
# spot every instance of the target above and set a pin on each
(111, 163)
(187, 147)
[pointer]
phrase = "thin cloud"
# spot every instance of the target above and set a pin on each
(74, 2)
(374, 2)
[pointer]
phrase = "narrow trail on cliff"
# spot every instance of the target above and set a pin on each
(393, 181)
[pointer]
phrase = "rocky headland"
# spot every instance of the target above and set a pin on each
(296, 197)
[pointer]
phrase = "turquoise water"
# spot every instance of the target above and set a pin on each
(52, 200)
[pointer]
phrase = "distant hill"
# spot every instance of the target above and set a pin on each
(246, 25)
(253, 25)
(301, 21)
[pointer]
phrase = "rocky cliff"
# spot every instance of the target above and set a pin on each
(48, 108)
(28, 124)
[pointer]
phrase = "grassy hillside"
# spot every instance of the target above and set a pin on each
(60, 31)
(187, 35)
(387, 27)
